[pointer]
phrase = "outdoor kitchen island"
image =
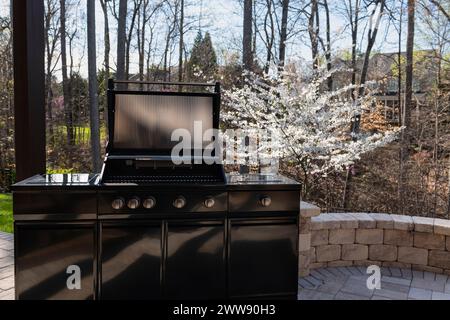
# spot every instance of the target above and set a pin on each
(243, 246)
(150, 226)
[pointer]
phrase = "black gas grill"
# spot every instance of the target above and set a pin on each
(146, 228)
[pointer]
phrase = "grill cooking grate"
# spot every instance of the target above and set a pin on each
(163, 179)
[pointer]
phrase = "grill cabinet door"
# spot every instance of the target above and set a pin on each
(263, 258)
(55, 261)
(131, 261)
(195, 265)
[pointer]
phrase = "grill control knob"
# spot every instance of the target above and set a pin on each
(265, 201)
(179, 202)
(209, 202)
(118, 203)
(149, 203)
(133, 203)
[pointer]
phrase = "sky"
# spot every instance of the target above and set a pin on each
(223, 19)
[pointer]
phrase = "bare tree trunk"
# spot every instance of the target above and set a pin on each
(107, 39)
(328, 46)
(283, 34)
(137, 5)
(141, 41)
(354, 27)
(247, 52)
(181, 44)
(93, 87)
(121, 35)
(372, 35)
(313, 33)
(405, 137)
(400, 191)
(66, 86)
(270, 37)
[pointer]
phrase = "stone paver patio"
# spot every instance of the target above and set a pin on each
(349, 283)
(341, 283)
(6, 266)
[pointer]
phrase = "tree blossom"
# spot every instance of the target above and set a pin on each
(313, 125)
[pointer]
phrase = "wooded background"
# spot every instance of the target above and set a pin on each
(403, 45)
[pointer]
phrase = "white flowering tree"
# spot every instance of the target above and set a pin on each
(313, 124)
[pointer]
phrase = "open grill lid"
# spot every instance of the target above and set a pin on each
(142, 119)
(141, 122)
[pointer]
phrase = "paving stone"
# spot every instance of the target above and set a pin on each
(442, 226)
(306, 294)
(344, 271)
(6, 261)
(319, 237)
(429, 241)
(428, 268)
(369, 236)
(385, 272)
(7, 245)
(382, 252)
(305, 284)
(348, 296)
(357, 288)
(355, 271)
(340, 273)
(4, 253)
(7, 295)
(7, 283)
(6, 272)
(375, 297)
(417, 274)
(429, 276)
(442, 277)
(391, 294)
(355, 252)
(317, 275)
(395, 280)
(413, 255)
(427, 284)
(423, 224)
(342, 236)
(331, 287)
(447, 241)
(447, 287)
(419, 294)
(314, 281)
(402, 288)
(402, 222)
(398, 238)
(327, 274)
(406, 273)
(440, 296)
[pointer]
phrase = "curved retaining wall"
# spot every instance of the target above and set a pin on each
(344, 239)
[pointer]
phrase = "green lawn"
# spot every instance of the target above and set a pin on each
(6, 217)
